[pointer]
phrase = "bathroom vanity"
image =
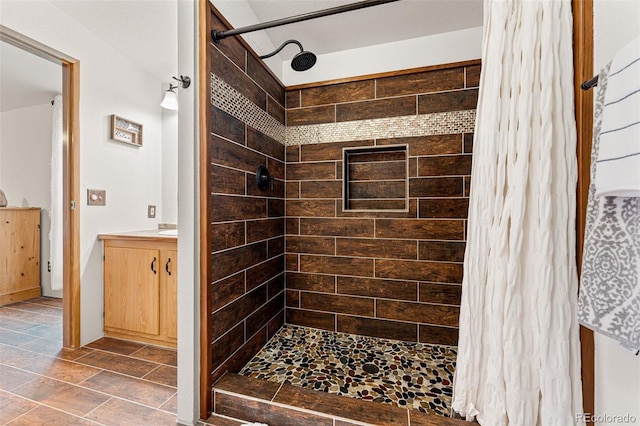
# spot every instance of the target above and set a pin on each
(140, 286)
(19, 254)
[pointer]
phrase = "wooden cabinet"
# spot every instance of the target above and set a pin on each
(140, 289)
(19, 254)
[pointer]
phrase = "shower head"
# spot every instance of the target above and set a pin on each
(301, 62)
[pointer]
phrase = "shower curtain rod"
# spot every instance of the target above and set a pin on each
(219, 35)
(589, 84)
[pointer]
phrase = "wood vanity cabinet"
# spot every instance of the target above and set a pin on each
(140, 289)
(19, 254)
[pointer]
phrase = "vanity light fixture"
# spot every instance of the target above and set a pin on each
(170, 100)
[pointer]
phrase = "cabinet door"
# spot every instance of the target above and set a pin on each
(19, 250)
(132, 289)
(171, 313)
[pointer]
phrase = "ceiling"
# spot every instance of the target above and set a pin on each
(26, 79)
(145, 31)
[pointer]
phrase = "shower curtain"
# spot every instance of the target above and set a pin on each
(518, 355)
(55, 212)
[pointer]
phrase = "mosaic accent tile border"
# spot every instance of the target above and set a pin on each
(403, 374)
(395, 127)
(235, 103)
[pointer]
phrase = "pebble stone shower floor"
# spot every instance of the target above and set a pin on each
(404, 374)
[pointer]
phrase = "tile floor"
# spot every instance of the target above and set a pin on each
(108, 382)
(403, 374)
(118, 382)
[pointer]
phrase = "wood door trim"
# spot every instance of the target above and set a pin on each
(71, 178)
(379, 75)
(204, 25)
(583, 70)
(71, 197)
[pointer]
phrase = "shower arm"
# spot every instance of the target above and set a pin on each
(219, 35)
(282, 46)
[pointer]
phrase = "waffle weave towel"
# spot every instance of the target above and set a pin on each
(618, 171)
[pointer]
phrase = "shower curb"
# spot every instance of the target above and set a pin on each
(255, 400)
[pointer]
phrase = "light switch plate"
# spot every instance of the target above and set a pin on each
(96, 197)
(151, 211)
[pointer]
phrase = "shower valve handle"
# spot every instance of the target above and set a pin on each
(263, 178)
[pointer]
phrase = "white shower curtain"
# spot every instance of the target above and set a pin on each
(55, 212)
(518, 354)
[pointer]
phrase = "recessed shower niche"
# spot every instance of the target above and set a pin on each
(375, 178)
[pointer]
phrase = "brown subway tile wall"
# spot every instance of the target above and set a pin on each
(337, 93)
(329, 151)
(420, 92)
(235, 77)
(246, 224)
(421, 82)
(379, 108)
(472, 76)
(386, 274)
(448, 101)
(428, 145)
(312, 115)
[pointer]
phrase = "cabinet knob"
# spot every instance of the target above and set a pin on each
(166, 266)
(153, 265)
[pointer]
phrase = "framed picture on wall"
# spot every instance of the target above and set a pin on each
(127, 131)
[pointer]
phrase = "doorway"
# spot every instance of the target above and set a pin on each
(70, 179)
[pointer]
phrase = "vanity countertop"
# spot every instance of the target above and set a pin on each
(152, 234)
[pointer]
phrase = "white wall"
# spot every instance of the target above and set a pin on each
(169, 166)
(132, 177)
(437, 49)
(617, 371)
(25, 172)
(25, 142)
(188, 219)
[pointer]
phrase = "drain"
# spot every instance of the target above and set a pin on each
(370, 368)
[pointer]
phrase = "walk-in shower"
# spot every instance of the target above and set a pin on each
(317, 314)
